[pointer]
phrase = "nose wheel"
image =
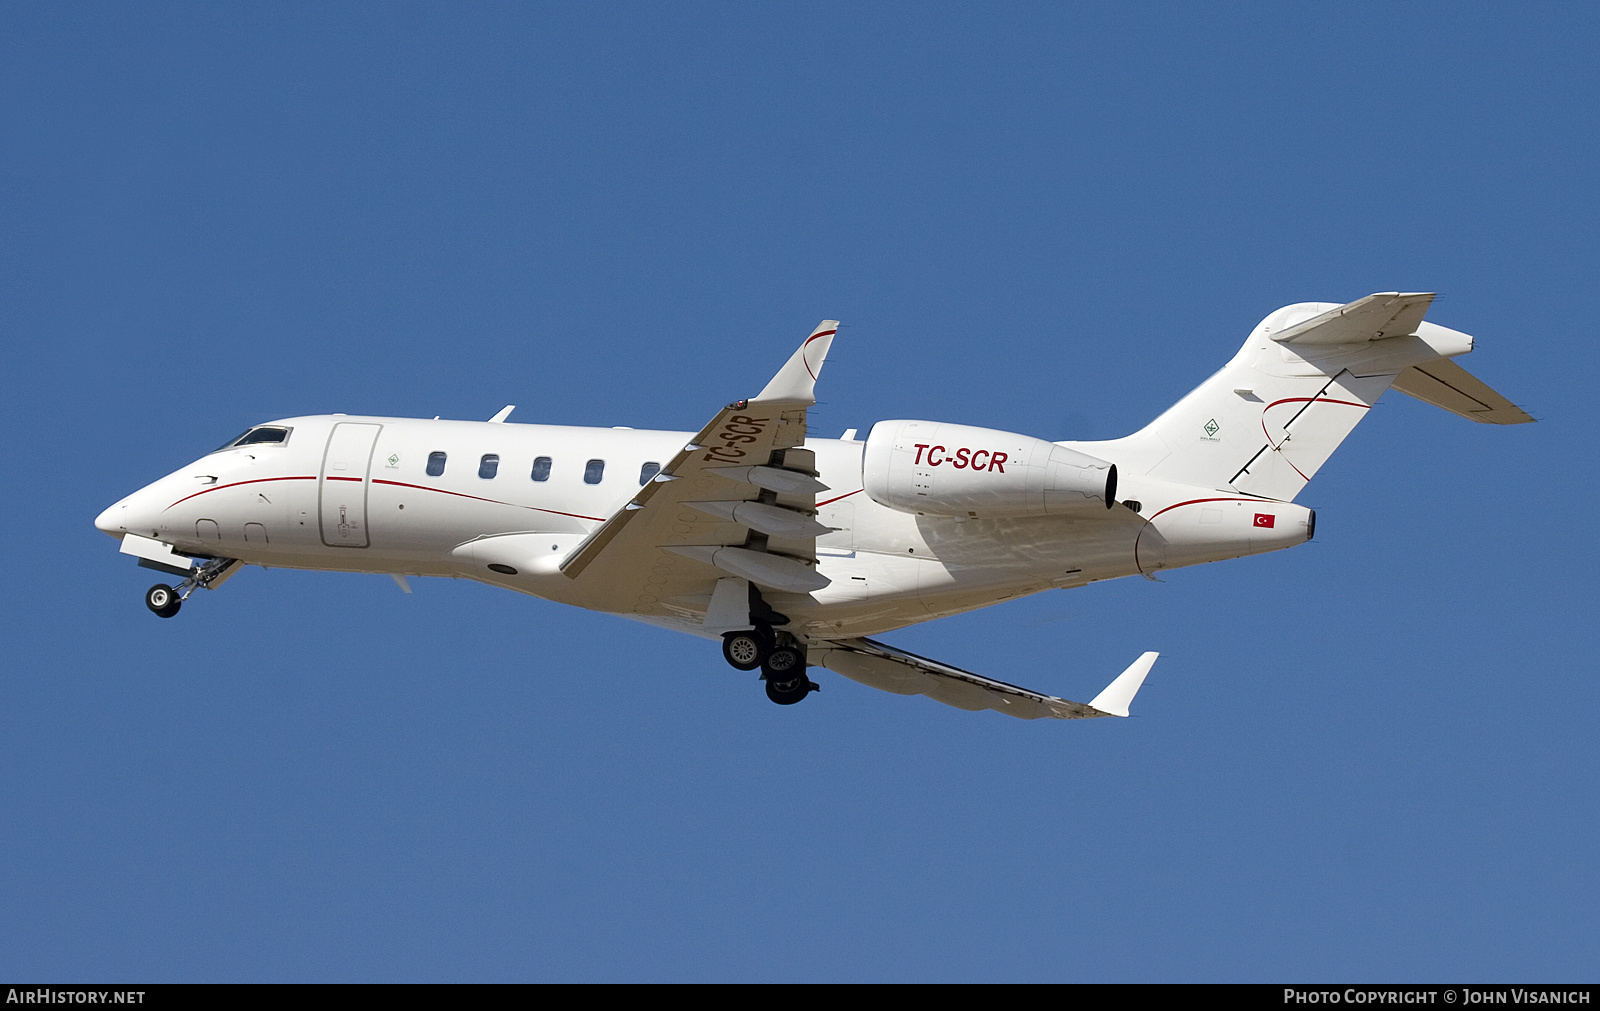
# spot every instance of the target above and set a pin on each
(163, 600)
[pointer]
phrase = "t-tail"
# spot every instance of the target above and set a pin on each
(1269, 419)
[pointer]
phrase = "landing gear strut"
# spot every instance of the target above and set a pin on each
(165, 600)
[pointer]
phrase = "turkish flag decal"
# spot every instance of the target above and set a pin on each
(1265, 519)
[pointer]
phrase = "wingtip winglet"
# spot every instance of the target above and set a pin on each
(796, 382)
(1114, 701)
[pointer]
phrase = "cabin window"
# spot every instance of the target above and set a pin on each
(541, 468)
(647, 472)
(435, 464)
(489, 466)
(593, 471)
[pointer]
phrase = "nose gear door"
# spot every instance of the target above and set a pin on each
(342, 486)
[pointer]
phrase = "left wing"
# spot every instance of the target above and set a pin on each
(739, 500)
(894, 670)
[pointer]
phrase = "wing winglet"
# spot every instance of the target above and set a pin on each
(796, 382)
(1118, 694)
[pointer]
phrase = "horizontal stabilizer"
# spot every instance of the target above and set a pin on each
(1445, 384)
(1386, 314)
(894, 670)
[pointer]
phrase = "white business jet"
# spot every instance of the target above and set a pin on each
(793, 550)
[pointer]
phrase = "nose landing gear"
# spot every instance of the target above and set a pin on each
(165, 600)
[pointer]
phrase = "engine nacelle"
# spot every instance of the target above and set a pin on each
(938, 469)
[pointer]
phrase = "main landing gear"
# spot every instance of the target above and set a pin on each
(782, 663)
(165, 600)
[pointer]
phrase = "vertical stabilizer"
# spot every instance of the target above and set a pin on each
(1268, 420)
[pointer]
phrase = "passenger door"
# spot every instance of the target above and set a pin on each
(343, 483)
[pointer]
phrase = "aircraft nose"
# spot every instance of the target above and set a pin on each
(141, 510)
(109, 522)
(114, 520)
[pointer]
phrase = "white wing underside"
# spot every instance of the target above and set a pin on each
(895, 670)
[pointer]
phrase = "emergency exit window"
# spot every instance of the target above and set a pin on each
(435, 464)
(647, 472)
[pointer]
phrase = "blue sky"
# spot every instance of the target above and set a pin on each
(1371, 757)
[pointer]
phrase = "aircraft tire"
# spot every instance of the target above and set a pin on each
(163, 600)
(787, 693)
(744, 650)
(782, 662)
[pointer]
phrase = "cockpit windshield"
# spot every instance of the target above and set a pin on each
(260, 435)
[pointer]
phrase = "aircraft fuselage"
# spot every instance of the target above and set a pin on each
(401, 495)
